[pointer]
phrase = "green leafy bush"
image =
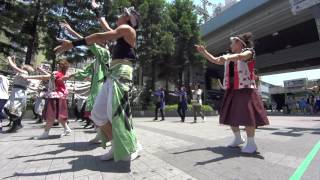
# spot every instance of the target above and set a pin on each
(174, 107)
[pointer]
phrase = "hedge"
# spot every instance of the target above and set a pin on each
(174, 107)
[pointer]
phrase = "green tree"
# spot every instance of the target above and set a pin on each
(23, 24)
(186, 31)
(155, 42)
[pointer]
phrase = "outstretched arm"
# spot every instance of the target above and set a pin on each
(38, 77)
(216, 60)
(104, 24)
(121, 31)
(70, 30)
(14, 66)
(246, 55)
(43, 71)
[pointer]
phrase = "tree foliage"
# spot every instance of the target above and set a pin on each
(166, 35)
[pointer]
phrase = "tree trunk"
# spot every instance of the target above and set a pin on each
(33, 43)
(180, 83)
(154, 75)
(167, 82)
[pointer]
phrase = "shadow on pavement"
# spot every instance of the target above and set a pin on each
(78, 146)
(291, 131)
(226, 152)
(18, 140)
(297, 132)
(84, 162)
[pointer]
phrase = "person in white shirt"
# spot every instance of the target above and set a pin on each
(197, 103)
(17, 103)
(4, 95)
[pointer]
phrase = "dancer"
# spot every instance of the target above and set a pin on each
(160, 103)
(40, 100)
(17, 103)
(197, 102)
(116, 120)
(39, 105)
(56, 104)
(183, 103)
(95, 70)
(242, 105)
(4, 96)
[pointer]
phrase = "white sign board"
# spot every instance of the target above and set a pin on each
(300, 5)
(296, 83)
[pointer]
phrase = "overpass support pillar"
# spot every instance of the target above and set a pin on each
(316, 14)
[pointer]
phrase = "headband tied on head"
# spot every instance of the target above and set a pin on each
(238, 39)
(133, 14)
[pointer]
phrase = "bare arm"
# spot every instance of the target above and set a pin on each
(69, 76)
(106, 36)
(246, 55)
(121, 31)
(14, 66)
(70, 30)
(210, 57)
(43, 71)
(38, 77)
(104, 24)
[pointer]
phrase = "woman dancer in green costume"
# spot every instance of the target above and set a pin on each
(111, 110)
(97, 72)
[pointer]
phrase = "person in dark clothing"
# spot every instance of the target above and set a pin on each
(183, 103)
(160, 103)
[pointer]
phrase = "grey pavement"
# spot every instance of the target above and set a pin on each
(172, 150)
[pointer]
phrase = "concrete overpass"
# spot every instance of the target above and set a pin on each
(284, 42)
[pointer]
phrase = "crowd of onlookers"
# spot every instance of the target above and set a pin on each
(306, 105)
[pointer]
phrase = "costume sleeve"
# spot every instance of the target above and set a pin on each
(87, 72)
(102, 54)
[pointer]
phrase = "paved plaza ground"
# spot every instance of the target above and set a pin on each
(172, 150)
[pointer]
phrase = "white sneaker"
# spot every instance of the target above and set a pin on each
(131, 157)
(237, 140)
(108, 143)
(250, 147)
(66, 133)
(135, 155)
(108, 156)
(44, 135)
(204, 119)
(139, 147)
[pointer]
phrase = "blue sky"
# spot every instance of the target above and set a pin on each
(278, 79)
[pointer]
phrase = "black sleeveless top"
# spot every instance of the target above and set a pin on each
(123, 50)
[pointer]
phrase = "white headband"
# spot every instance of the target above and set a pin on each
(133, 16)
(237, 38)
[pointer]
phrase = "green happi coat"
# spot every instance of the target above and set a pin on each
(124, 137)
(97, 72)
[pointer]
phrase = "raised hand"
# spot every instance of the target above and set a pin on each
(64, 46)
(65, 24)
(94, 4)
(200, 48)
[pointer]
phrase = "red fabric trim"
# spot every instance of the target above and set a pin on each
(251, 65)
(227, 77)
(236, 76)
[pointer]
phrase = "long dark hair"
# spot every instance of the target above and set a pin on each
(247, 38)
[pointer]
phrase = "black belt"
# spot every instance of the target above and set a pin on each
(19, 87)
